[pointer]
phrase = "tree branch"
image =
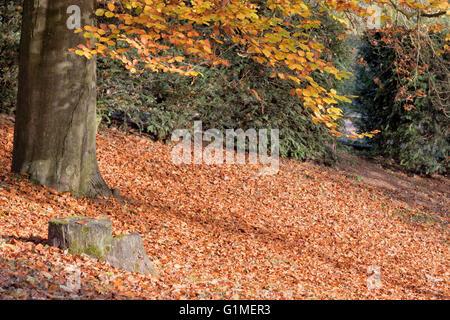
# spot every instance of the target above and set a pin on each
(413, 14)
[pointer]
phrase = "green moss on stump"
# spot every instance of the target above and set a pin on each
(59, 221)
(95, 251)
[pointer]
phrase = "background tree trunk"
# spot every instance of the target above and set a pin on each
(55, 128)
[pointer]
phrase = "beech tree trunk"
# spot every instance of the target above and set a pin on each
(55, 128)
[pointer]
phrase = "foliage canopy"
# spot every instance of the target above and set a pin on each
(276, 33)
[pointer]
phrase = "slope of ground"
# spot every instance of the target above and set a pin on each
(431, 195)
(225, 232)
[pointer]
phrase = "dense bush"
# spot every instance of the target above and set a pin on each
(410, 105)
(10, 18)
(221, 99)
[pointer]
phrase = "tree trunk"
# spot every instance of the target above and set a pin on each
(55, 128)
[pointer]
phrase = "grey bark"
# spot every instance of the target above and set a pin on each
(55, 127)
(128, 253)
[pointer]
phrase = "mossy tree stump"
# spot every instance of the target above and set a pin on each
(94, 238)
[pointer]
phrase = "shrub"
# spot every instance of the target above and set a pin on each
(408, 104)
(10, 19)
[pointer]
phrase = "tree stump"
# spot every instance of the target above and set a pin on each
(94, 238)
(128, 253)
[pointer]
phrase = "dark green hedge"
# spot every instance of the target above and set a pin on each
(10, 19)
(417, 139)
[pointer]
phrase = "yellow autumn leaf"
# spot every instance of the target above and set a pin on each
(99, 12)
(111, 6)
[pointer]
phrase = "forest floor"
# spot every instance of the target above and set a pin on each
(227, 232)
